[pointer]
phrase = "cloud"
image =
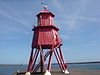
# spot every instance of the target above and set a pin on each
(12, 37)
(6, 30)
(58, 5)
(79, 7)
(74, 22)
(13, 14)
(3, 43)
(3, 40)
(14, 18)
(88, 19)
(65, 37)
(73, 19)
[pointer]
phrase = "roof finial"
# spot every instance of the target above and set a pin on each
(45, 7)
(44, 4)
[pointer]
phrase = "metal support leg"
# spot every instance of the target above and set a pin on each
(65, 68)
(50, 59)
(30, 61)
(35, 58)
(42, 60)
(39, 64)
(62, 56)
(58, 60)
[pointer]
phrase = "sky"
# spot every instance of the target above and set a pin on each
(78, 20)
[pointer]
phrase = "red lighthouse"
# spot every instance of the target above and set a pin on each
(46, 43)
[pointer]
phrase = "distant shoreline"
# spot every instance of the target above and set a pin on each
(52, 63)
(80, 62)
(10, 64)
(84, 62)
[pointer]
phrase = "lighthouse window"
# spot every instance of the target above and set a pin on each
(51, 21)
(46, 20)
(40, 17)
(39, 20)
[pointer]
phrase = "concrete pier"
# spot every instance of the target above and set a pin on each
(71, 72)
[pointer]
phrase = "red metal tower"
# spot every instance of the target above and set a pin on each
(45, 38)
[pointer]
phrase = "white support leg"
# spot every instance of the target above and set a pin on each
(27, 73)
(47, 73)
(66, 72)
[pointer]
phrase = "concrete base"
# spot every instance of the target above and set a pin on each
(72, 72)
(66, 72)
(27, 73)
(47, 73)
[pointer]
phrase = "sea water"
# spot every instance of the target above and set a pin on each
(10, 70)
